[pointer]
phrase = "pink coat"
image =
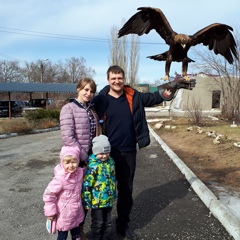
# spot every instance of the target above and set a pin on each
(62, 197)
(75, 128)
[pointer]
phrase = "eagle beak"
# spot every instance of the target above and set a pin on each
(183, 45)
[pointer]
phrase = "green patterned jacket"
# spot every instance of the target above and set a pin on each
(99, 185)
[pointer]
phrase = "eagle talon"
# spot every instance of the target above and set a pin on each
(187, 79)
(166, 78)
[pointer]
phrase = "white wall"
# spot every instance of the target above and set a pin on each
(200, 96)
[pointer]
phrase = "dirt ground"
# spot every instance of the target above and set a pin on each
(212, 163)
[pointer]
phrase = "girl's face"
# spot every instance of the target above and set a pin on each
(70, 164)
(85, 94)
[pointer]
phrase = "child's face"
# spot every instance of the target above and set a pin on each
(70, 164)
(103, 156)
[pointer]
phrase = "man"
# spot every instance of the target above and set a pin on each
(121, 111)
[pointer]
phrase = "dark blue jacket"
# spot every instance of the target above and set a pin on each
(137, 102)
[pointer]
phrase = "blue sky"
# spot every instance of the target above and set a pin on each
(21, 23)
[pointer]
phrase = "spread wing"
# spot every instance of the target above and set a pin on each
(145, 20)
(217, 37)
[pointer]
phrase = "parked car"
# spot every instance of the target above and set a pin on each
(40, 102)
(69, 100)
(26, 103)
(16, 108)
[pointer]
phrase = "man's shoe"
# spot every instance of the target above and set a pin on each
(130, 234)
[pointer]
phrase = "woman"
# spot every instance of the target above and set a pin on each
(78, 121)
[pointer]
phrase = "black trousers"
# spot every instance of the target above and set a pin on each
(75, 233)
(101, 223)
(125, 165)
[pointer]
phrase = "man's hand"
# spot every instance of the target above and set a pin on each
(167, 90)
(180, 83)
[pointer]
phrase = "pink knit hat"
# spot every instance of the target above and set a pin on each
(70, 150)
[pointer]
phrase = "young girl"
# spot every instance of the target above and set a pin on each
(62, 196)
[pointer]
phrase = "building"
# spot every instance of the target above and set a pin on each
(206, 95)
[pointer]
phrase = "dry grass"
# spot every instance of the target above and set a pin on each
(210, 162)
(22, 125)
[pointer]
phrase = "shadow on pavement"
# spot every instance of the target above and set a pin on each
(153, 200)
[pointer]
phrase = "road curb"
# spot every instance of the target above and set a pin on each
(227, 219)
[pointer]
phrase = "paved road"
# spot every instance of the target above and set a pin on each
(165, 207)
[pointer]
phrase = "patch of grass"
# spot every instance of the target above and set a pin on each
(15, 125)
(211, 162)
(45, 123)
(43, 114)
(23, 125)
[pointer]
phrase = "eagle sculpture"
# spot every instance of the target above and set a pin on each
(217, 37)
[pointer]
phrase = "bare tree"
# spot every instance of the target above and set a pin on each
(123, 55)
(31, 72)
(118, 49)
(194, 111)
(114, 46)
(69, 71)
(39, 72)
(227, 77)
(134, 61)
(62, 73)
(50, 72)
(10, 71)
(74, 69)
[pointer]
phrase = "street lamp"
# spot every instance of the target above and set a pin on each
(41, 66)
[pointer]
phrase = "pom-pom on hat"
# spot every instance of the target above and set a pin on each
(101, 145)
(69, 150)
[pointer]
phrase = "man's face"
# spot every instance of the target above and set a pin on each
(116, 81)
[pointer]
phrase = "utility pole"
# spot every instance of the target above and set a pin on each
(41, 69)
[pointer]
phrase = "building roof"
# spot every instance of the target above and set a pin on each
(38, 87)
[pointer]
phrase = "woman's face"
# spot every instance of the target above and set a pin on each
(85, 94)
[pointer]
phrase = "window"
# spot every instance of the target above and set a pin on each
(216, 95)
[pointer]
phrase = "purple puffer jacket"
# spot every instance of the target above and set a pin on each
(75, 128)
(62, 197)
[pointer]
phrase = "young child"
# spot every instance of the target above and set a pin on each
(99, 188)
(62, 196)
